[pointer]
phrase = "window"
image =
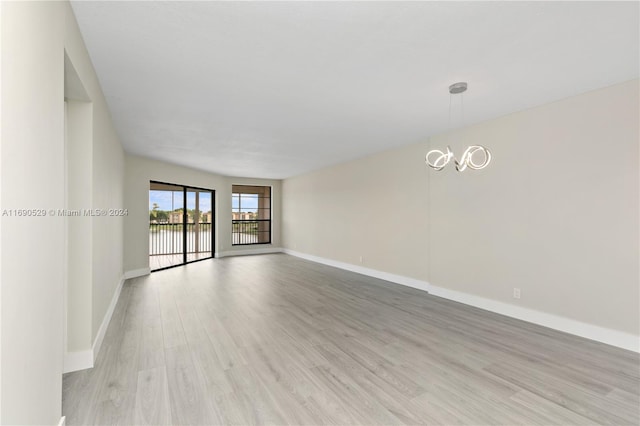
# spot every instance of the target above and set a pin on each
(251, 215)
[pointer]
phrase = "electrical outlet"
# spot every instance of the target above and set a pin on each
(361, 259)
(516, 293)
(295, 245)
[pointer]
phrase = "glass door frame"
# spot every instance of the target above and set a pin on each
(185, 218)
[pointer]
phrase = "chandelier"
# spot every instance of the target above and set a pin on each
(437, 159)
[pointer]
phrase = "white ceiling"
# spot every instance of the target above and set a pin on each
(273, 90)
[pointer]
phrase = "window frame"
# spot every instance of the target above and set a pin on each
(239, 223)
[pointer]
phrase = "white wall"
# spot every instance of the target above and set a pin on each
(35, 38)
(140, 170)
(79, 229)
(96, 163)
(32, 177)
(555, 214)
(374, 207)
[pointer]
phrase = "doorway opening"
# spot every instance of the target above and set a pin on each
(181, 225)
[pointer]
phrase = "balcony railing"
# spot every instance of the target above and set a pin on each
(256, 231)
(167, 238)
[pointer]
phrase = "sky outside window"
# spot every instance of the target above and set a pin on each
(248, 202)
(171, 200)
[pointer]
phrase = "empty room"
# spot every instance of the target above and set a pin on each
(319, 213)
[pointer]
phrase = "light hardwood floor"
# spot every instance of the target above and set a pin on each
(159, 261)
(274, 339)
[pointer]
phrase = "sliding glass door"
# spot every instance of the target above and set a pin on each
(181, 224)
(199, 228)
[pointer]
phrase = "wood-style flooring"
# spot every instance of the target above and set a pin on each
(159, 261)
(274, 339)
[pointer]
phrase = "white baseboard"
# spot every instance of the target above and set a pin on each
(76, 361)
(63, 421)
(81, 360)
(589, 331)
(137, 273)
(97, 343)
(398, 279)
(265, 250)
